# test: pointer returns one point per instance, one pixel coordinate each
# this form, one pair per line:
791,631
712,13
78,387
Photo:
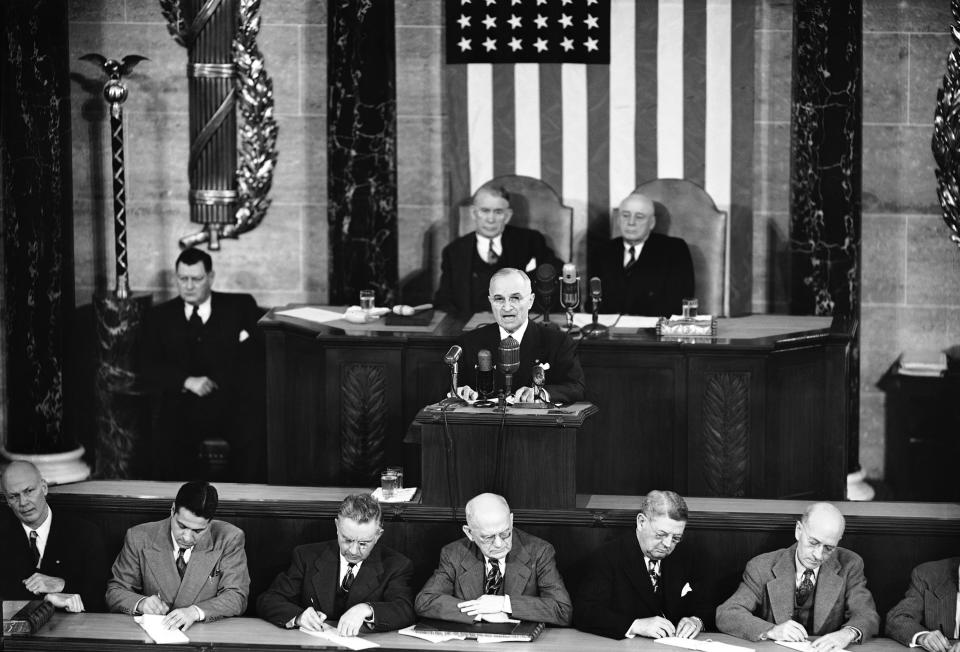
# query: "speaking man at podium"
513,334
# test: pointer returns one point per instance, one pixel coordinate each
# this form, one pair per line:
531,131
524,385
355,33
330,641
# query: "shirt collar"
517,334
637,248
483,245
203,309
176,549
43,531
800,568
344,564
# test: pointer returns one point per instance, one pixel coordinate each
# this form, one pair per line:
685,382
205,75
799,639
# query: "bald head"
818,533
25,491
490,525
486,506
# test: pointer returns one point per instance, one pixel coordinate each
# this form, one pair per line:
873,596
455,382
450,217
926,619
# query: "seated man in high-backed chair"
470,261
644,273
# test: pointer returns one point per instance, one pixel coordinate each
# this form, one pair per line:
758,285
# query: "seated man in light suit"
812,588
497,572
636,587
644,273
353,580
468,262
927,615
510,300
188,566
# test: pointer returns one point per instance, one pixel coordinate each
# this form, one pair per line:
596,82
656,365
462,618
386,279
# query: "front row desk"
760,411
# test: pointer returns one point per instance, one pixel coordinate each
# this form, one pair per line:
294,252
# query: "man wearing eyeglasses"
812,588
637,587
203,356
644,273
468,262
497,572
510,299
361,585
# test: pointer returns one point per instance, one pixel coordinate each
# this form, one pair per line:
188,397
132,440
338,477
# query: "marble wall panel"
933,263
301,174
419,13
883,258
771,165
313,71
98,11
420,148
898,170
294,12
281,49
771,262
905,15
872,439
774,58
775,14
885,67
928,63
419,71
316,252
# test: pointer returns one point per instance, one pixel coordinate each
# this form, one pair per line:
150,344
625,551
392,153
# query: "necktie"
34,549
806,587
195,321
181,563
633,258
348,579
493,584
654,570
492,256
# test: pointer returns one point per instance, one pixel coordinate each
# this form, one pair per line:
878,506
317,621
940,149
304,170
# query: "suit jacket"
655,285
617,590
564,379
930,603
383,581
216,579
74,553
234,411
531,580
765,597
456,273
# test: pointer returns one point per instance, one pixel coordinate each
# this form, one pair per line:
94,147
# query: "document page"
351,642
152,625
703,645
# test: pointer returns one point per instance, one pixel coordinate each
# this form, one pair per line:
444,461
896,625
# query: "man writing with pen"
187,567
364,586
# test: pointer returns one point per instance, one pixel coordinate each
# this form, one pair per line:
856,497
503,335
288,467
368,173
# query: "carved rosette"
726,433
363,410
946,134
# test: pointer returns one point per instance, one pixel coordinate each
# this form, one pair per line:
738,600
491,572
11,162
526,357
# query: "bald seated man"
644,273
497,572
812,588
56,557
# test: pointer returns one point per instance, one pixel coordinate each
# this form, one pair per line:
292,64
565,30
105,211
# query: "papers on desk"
800,646
399,495
351,642
438,637
704,645
152,624
635,321
316,315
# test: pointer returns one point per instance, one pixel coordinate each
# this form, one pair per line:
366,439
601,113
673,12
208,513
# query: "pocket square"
531,265
686,589
244,336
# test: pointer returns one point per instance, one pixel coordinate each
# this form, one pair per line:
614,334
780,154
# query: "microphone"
546,285
509,362
484,377
596,329
596,291
570,294
451,358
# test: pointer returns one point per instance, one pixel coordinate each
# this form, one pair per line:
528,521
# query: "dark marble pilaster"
122,409
37,223
361,150
826,156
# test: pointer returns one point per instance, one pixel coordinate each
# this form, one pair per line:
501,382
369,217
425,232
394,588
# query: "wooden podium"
527,455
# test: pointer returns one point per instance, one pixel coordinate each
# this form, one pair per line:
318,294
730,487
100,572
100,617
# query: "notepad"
316,315
351,642
152,624
799,646
703,645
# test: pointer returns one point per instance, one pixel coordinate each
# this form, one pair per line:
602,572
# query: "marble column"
37,236
361,150
826,155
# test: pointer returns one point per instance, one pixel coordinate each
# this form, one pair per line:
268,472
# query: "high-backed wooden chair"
535,206
685,210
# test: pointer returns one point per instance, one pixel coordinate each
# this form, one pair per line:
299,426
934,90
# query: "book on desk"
524,631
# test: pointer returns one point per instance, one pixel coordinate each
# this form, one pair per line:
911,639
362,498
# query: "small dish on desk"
357,315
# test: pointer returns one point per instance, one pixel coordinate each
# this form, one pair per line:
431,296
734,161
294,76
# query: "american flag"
674,101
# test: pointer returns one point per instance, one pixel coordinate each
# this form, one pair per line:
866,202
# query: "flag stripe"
622,161
576,114
458,139
646,93
598,98
670,89
526,90
551,126
717,148
502,92
480,122
694,85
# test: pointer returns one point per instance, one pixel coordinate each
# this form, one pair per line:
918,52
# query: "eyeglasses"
489,539
626,216
362,544
514,300
487,212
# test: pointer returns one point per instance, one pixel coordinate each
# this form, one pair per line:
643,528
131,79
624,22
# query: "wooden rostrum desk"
760,411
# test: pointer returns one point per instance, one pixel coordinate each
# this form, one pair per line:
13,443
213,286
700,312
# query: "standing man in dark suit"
633,589
188,567
203,353
497,572
644,273
812,588
59,559
468,262
510,299
352,580
927,615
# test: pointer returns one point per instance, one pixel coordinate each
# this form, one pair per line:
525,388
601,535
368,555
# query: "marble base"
56,468
857,487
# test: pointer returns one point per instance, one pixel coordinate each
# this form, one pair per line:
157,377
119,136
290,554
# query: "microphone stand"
596,329
453,398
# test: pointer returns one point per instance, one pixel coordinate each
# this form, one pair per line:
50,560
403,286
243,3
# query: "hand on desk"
352,619
69,601
654,627
181,618
485,604
688,627
154,605
790,630
311,619
522,395
467,393
199,385
834,640
40,583
936,642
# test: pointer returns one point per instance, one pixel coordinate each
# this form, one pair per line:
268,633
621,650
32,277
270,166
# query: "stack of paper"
439,637
152,624
923,363
703,645
399,495
350,642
